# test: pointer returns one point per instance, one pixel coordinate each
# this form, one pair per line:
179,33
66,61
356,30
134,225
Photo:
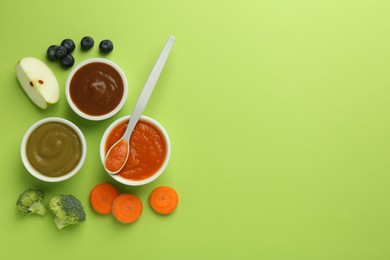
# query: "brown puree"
96,88
54,149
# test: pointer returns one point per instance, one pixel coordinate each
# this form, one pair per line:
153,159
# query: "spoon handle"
148,87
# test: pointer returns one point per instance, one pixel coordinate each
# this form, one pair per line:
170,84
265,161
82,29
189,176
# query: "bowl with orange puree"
149,150
96,89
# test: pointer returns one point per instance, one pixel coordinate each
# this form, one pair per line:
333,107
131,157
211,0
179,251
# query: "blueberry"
67,61
61,52
106,46
87,43
69,45
51,52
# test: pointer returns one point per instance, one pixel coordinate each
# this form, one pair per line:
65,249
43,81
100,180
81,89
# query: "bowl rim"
35,172
163,166
109,114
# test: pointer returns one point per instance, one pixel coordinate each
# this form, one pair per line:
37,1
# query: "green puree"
54,149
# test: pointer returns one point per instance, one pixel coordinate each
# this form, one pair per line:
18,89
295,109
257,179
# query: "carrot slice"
102,197
163,200
127,208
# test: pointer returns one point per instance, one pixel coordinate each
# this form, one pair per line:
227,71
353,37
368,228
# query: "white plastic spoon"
118,153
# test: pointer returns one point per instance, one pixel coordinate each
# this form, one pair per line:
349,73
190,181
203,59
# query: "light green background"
278,114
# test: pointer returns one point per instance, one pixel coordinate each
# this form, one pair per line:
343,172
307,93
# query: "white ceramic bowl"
155,175
34,172
96,117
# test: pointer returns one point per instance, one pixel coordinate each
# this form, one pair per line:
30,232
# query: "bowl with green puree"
53,149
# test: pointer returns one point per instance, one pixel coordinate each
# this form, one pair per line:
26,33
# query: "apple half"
38,81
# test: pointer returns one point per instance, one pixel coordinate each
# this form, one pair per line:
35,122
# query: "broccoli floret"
67,209
31,202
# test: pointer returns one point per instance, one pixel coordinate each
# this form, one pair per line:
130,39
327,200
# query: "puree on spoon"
54,149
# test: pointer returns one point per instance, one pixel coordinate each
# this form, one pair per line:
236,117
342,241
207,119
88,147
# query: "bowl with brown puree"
96,89
150,150
53,149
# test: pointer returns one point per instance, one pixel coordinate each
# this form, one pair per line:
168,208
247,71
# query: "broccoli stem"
38,208
60,223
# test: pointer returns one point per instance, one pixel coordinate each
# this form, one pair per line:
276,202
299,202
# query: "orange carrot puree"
117,156
147,150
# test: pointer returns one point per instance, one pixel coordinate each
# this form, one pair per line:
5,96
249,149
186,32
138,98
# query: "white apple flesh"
38,81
